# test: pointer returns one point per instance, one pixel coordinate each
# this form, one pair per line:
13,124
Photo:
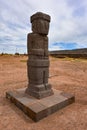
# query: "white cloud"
68,20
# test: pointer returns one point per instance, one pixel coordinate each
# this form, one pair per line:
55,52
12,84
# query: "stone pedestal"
38,109
39,100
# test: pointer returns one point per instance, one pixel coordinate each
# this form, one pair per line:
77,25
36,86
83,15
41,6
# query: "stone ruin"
38,100
38,57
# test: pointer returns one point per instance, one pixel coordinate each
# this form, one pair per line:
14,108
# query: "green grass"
23,60
70,59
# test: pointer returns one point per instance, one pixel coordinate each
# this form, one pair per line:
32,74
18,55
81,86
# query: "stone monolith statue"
38,59
39,100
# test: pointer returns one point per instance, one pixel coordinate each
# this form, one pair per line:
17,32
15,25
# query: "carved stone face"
40,26
40,23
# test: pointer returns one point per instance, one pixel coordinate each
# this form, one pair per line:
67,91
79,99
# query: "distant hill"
76,53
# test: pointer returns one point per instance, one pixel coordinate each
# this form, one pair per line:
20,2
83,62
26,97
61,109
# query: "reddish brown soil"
66,74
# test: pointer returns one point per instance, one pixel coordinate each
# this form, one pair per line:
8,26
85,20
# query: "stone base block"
38,109
39,91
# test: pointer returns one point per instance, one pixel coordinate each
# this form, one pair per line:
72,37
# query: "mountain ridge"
75,53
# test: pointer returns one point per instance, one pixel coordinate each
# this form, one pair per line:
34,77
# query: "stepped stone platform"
37,109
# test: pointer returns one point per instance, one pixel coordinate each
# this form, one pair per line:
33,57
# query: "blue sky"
68,27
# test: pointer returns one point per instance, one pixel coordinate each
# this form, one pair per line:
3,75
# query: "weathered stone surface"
40,23
38,61
40,15
38,26
39,91
38,109
38,75
37,45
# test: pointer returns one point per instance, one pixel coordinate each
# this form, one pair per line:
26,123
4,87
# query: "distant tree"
24,53
2,53
17,53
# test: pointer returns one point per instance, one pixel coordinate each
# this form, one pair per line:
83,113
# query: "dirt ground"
65,74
